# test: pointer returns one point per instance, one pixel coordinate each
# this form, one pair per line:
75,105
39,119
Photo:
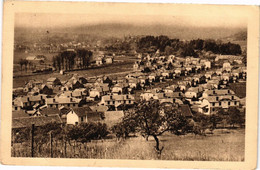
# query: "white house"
94,93
117,89
207,64
226,66
82,115
148,95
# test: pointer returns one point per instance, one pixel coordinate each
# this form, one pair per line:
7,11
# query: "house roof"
19,113
219,92
49,111
64,110
82,111
52,79
100,108
185,110
37,121
62,100
87,111
118,97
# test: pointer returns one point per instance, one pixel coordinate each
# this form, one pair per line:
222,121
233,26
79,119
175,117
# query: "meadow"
223,145
109,70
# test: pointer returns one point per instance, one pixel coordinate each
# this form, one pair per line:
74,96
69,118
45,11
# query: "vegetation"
188,147
66,59
188,48
150,118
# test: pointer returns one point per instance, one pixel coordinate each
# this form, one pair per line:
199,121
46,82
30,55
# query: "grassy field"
23,55
239,89
223,145
126,66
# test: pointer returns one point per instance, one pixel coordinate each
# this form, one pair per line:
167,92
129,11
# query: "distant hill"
239,36
119,30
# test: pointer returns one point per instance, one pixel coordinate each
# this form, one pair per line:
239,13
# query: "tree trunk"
157,147
157,143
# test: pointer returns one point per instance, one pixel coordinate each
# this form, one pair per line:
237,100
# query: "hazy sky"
53,20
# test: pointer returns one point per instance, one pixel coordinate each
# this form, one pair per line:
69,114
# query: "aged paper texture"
129,85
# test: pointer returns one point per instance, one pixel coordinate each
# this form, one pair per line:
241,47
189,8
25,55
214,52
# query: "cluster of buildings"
190,82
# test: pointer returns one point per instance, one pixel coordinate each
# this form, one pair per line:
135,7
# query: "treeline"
168,46
69,60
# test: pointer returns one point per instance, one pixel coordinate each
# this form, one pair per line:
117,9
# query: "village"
196,85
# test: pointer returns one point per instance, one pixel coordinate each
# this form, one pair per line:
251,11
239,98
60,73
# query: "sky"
61,20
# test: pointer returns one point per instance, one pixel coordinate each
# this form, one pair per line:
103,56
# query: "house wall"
207,104
72,118
190,94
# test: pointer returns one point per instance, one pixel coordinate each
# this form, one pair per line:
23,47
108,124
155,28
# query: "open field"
108,70
23,55
223,145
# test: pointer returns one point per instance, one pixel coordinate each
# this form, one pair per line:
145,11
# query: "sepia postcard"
138,85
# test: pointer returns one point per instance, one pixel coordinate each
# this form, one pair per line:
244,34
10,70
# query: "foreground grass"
223,145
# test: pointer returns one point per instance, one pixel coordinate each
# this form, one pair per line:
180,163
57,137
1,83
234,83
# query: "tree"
234,116
146,70
87,131
150,118
169,50
108,81
21,64
125,90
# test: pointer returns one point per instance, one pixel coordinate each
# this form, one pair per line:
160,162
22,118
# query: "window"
219,103
129,101
232,97
235,102
213,109
213,104
15,108
228,103
68,105
50,105
216,98
113,102
82,119
76,123
108,102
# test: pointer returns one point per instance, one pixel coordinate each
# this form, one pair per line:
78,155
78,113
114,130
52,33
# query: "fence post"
65,148
32,141
51,143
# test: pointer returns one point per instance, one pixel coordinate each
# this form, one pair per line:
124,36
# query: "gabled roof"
49,111
87,111
52,79
19,113
82,111
100,108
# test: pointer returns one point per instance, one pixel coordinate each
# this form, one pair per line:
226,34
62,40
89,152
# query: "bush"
87,131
